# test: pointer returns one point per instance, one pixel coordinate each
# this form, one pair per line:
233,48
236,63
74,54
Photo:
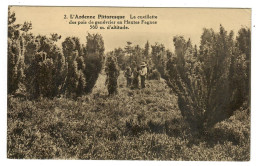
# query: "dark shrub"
203,82
154,75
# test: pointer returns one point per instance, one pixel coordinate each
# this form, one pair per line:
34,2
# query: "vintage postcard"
124,83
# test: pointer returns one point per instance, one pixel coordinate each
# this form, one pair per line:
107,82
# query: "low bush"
236,129
154,75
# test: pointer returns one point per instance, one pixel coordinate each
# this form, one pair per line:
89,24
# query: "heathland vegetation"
72,102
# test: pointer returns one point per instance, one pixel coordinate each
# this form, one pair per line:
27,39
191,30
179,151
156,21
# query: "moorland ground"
143,124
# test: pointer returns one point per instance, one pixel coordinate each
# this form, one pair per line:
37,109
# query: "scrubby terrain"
138,124
67,97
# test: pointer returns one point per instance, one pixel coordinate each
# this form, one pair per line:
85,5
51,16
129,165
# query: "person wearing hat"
143,74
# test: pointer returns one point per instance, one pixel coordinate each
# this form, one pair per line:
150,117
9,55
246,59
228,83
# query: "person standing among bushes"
143,73
148,71
128,75
112,72
135,78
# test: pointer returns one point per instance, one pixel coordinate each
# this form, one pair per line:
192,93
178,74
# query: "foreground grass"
143,124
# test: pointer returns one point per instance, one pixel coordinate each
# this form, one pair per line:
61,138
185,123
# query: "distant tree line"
37,67
155,56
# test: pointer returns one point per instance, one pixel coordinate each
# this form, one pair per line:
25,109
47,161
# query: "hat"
143,64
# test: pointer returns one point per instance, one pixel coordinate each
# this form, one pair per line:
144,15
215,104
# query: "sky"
188,22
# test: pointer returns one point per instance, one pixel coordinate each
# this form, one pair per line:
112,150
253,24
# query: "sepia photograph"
129,83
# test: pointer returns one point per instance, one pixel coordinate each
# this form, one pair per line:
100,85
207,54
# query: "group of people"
132,75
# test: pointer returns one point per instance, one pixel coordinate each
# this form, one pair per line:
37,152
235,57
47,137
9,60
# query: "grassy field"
140,124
